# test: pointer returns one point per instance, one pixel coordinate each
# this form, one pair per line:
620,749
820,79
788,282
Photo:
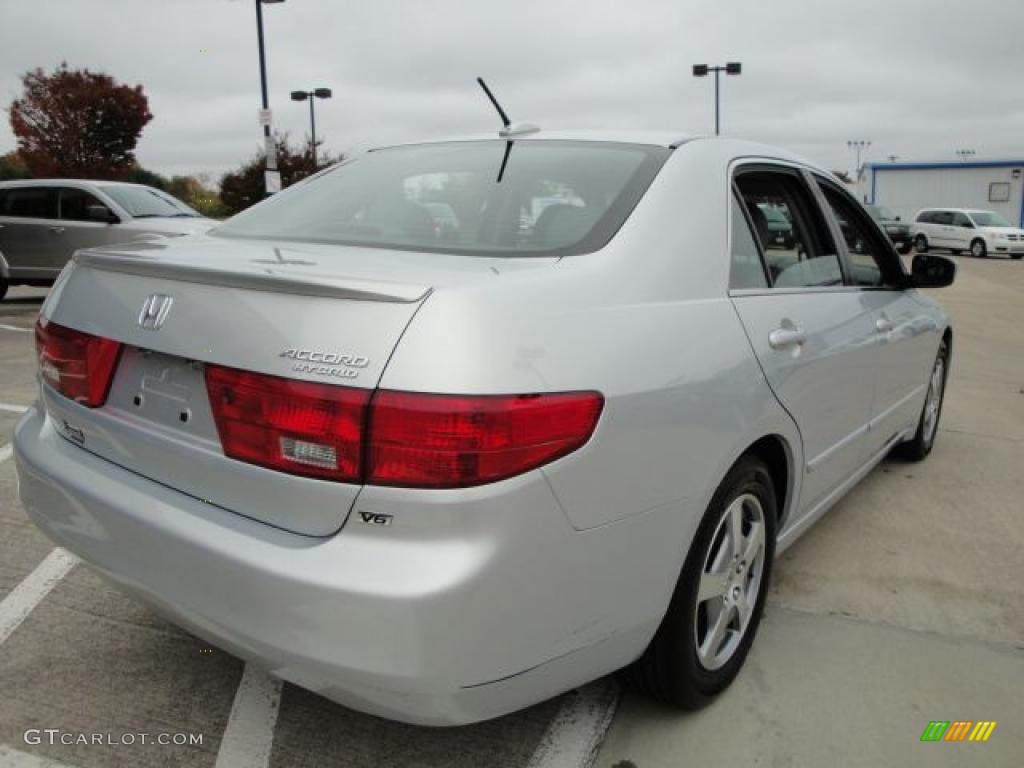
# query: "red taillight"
298,427
454,441
408,439
78,365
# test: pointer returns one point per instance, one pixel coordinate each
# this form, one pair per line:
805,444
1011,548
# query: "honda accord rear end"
432,474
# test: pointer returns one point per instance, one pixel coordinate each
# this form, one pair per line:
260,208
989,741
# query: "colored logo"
958,730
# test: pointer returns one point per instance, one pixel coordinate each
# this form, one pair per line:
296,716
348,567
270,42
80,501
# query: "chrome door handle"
883,325
786,337
57,230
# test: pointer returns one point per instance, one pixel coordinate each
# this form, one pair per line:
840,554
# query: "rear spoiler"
255,278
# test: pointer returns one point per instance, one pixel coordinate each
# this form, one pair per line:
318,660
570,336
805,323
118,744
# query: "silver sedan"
454,427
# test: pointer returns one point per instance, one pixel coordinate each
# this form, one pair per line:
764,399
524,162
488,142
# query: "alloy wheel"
730,582
934,400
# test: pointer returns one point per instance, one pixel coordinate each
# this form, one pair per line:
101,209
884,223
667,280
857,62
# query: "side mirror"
899,218
931,271
98,212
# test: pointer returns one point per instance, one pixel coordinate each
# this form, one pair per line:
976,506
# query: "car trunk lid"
315,314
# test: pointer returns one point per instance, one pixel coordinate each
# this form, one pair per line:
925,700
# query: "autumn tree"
13,167
78,123
244,187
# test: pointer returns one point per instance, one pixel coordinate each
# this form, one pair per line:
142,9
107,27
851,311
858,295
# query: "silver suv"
44,221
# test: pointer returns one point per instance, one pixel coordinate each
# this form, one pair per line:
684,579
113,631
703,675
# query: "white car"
44,221
961,229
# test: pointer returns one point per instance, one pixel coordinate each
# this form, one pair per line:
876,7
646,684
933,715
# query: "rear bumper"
470,605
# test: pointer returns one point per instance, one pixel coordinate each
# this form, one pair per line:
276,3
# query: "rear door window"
798,249
31,203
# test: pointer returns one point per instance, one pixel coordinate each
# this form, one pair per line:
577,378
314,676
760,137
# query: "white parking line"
23,598
13,408
6,451
14,328
249,734
12,758
575,735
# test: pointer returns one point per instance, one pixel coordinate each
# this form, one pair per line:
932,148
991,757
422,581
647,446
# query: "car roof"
658,138
723,147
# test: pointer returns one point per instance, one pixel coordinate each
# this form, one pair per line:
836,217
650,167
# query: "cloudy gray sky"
919,78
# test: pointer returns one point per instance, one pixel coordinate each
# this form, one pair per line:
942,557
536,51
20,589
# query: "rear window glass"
487,198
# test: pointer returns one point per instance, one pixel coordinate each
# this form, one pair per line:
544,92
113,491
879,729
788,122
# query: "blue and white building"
906,188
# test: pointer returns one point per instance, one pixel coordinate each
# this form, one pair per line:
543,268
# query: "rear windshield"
485,198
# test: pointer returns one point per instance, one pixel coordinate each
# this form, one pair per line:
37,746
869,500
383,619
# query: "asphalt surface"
902,606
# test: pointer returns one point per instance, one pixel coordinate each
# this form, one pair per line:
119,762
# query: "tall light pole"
312,96
271,178
857,145
731,68
964,154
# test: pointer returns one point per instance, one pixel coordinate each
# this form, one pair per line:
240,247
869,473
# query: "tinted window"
552,198
747,269
867,250
961,220
926,217
942,217
75,202
147,203
31,203
803,254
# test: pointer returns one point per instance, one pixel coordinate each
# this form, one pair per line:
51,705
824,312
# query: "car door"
29,217
961,231
812,335
906,338
944,232
80,229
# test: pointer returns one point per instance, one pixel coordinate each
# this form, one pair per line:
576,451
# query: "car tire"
677,668
1014,256
3,288
921,244
978,248
921,444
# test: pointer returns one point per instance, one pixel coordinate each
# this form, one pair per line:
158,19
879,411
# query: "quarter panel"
682,388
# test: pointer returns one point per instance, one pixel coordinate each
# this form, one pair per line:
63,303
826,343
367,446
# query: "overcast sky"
918,78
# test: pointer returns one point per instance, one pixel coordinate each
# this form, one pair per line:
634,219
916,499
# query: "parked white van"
959,229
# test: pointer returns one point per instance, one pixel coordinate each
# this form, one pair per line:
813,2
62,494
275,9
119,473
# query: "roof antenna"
508,131
504,118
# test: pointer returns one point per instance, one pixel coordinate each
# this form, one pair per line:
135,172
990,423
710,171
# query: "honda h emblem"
154,311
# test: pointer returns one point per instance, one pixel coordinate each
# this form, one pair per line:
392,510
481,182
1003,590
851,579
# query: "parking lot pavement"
900,607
